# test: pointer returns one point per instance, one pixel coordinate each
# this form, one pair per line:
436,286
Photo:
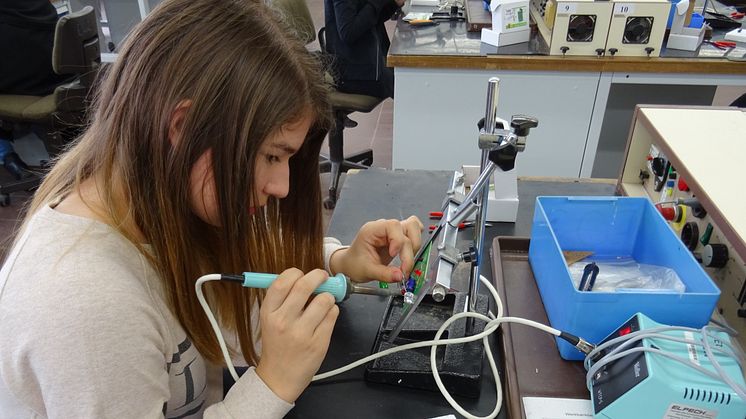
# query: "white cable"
491,326
630,338
213,322
627,340
716,364
600,364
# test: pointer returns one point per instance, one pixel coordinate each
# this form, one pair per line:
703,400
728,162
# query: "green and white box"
509,23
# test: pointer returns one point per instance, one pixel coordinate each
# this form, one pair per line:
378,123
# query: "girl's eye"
272,158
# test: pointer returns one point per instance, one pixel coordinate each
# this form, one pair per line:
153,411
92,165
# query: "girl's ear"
176,124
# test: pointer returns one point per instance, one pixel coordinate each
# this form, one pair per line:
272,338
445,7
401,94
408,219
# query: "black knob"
715,255
613,51
659,166
522,124
649,50
564,50
470,255
644,175
600,51
690,235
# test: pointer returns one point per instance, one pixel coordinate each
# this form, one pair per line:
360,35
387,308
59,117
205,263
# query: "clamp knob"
649,50
470,255
613,51
600,52
522,124
564,50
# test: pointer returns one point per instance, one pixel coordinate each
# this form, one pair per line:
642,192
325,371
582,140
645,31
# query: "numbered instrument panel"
637,28
577,27
602,28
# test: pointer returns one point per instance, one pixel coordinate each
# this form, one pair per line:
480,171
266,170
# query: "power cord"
493,323
627,340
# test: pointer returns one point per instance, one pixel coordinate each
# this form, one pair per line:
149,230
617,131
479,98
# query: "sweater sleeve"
249,397
331,245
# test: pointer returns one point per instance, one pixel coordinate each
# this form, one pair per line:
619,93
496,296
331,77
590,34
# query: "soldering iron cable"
214,322
493,323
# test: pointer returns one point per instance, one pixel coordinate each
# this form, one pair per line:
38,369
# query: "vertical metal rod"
490,117
490,114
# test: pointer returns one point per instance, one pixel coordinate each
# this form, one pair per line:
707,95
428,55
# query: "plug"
581,344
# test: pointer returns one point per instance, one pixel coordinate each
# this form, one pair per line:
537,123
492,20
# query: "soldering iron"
338,285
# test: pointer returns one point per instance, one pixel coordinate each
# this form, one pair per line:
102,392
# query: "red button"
669,213
682,185
626,331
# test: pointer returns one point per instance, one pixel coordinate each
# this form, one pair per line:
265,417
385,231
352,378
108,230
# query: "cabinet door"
436,113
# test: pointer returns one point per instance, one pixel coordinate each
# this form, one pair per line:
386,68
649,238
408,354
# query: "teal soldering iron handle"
335,285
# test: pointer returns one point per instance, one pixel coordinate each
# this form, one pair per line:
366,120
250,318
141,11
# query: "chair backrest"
298,16
322,39
76,47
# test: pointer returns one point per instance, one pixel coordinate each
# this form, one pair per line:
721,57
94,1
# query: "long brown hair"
246,77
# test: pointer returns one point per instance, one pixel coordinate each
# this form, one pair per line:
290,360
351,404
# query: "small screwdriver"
338,285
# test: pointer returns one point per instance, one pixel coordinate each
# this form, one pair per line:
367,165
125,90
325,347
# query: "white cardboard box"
503,197
509,23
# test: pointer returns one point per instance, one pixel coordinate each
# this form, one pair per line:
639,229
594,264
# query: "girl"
202,157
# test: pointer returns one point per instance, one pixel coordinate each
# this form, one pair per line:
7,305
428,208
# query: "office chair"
76,53
343,104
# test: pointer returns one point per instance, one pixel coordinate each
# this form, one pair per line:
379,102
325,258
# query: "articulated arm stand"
431,299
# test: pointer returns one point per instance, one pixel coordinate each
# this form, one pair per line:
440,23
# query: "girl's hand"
375,246
295,331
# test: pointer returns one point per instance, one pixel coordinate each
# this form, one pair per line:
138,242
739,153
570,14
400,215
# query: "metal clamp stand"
459,366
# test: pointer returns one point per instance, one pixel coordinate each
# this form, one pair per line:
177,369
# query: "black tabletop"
377,193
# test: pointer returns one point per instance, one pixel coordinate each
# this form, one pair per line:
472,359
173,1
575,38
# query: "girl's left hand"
375,246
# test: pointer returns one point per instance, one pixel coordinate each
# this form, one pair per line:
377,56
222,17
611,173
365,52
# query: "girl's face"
271,177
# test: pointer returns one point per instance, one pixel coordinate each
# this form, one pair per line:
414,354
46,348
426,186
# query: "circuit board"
417,279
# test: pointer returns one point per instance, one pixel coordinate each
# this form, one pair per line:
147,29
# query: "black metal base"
459,366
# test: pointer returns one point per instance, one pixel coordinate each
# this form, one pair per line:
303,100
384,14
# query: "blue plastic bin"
612,227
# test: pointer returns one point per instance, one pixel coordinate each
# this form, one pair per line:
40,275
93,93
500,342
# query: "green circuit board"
417,278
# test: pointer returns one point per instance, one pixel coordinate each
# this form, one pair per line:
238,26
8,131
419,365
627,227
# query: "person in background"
26,40
357,40
197,160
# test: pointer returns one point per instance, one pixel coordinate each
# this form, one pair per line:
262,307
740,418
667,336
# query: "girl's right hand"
295,332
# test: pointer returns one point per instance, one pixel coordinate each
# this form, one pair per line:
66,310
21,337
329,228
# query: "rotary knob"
715,255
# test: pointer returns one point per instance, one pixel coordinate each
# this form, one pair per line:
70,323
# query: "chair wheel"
330,203
4,200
